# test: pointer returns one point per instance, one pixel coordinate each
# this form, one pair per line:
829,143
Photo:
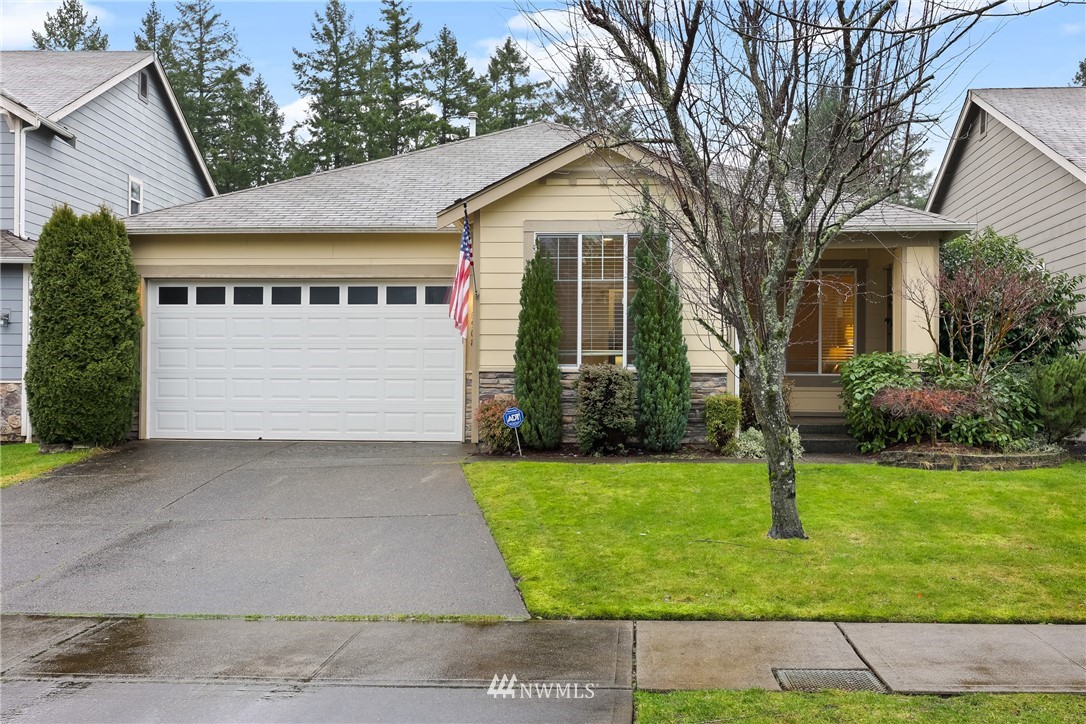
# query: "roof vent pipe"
472,118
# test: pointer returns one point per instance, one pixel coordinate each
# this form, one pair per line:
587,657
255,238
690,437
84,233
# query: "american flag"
459,300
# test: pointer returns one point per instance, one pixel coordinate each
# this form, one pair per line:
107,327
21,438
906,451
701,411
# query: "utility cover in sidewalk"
814,680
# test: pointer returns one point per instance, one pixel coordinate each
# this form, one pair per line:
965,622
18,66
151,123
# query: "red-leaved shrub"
494,437
929,402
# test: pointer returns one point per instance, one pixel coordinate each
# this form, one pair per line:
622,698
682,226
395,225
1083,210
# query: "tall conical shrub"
663,368
82,363
537,381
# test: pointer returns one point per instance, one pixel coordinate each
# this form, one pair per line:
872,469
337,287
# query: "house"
1017,162
315,308
83,129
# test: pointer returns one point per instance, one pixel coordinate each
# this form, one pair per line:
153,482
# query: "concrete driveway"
271,528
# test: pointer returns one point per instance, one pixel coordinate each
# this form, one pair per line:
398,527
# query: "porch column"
914,266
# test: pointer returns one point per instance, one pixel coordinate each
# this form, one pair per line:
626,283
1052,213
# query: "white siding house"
85,129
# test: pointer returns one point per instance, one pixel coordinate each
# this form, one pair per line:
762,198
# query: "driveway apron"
267,528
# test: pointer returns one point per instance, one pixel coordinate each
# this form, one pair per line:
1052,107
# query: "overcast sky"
1043,49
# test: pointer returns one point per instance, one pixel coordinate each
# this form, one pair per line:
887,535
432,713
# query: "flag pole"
474,282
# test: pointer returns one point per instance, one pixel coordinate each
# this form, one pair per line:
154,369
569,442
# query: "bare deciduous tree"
752,194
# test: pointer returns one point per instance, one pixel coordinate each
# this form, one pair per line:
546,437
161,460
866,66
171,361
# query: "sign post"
514,418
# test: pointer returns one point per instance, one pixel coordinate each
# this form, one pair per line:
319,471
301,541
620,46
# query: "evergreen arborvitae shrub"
82,363
1060,388
663,368
537,381
605,409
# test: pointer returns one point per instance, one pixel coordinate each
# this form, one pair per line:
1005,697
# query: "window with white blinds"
824,333
592,282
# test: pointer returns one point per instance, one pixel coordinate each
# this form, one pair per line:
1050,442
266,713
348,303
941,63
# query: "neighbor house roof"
15,248
50,85
399,193
47,82
1053,120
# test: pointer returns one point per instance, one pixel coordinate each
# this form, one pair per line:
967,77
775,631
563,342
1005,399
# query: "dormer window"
144,85
135,195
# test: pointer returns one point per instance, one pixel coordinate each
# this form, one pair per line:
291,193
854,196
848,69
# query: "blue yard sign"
513,417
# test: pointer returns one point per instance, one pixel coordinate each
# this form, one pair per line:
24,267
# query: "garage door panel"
335,372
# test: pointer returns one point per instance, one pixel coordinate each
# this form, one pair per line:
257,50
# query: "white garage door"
308,360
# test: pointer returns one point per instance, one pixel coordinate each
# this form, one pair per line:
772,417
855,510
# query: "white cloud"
1072,28
18,18
295,112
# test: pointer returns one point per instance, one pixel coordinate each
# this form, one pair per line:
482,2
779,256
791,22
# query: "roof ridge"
353,166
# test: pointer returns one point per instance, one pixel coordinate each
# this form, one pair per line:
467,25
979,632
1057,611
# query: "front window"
824,334
592,282
135,195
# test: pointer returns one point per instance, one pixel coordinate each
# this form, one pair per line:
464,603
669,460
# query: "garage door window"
211,295
401,295
286,295
361,295
437,295
173,295
248,295
324,295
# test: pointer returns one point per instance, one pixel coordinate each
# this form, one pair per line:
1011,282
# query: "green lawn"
19,462
752,707
687,541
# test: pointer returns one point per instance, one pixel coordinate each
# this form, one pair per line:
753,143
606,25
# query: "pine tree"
155,33
451,85
329,75
1080,76
510,98
590,99
251,151
403,119
663,368
70,29
82,365
208,76
537,381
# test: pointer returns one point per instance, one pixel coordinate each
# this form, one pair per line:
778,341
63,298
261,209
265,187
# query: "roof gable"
399,193
1052,120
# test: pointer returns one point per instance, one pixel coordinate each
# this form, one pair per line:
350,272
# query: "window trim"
143,86
580,289
139,182
855,272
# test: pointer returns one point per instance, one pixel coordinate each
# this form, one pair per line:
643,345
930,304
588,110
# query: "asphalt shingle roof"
46,81
1054,116
15,247
400,192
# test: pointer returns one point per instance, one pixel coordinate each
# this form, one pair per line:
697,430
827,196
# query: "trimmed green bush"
722,422
537,381
862,377
494,437
750,443
1060,389
605,409
82,364
748,417
663,368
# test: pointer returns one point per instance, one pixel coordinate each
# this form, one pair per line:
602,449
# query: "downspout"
20,170
20,127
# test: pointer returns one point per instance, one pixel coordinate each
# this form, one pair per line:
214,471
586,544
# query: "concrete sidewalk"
88,669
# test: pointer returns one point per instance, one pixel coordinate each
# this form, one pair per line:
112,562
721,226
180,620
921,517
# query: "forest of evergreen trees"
373,92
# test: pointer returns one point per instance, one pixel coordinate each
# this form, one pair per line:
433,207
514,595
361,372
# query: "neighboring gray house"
1017,163
83,129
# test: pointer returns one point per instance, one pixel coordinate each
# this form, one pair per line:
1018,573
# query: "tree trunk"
776,427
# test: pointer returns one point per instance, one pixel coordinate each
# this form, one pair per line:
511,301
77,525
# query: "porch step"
820,426
827,443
